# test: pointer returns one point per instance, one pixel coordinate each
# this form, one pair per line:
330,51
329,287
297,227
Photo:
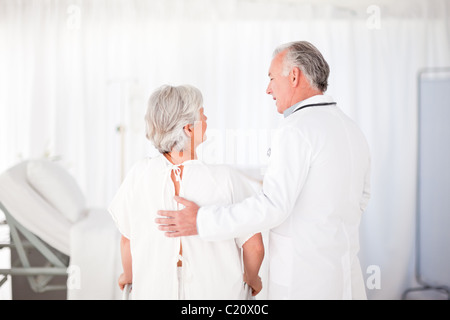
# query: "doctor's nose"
269,89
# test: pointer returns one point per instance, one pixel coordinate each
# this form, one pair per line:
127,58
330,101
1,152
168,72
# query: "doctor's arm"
286,174
127,276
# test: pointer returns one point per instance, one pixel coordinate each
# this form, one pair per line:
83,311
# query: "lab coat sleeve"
243,186
286,174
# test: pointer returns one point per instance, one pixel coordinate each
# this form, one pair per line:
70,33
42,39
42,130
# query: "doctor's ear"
295,76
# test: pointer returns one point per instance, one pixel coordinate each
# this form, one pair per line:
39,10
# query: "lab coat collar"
320,98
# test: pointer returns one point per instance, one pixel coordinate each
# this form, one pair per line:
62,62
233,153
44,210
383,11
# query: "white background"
72,71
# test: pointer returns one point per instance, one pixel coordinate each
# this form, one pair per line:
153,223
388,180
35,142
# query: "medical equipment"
432,257
46,212
126,291
315,105
38,277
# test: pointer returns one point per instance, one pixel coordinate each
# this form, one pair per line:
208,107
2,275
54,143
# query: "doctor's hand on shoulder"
179,223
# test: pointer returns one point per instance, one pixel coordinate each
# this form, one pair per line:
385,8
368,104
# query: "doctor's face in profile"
279,86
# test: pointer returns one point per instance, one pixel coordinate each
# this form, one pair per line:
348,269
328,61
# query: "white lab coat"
315,188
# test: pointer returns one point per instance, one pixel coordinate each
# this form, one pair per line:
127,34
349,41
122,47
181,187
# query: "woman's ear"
188,130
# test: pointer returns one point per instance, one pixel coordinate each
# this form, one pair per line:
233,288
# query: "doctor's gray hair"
169,110
308,59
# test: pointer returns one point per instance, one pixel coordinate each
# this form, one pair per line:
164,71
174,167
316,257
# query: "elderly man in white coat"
314,191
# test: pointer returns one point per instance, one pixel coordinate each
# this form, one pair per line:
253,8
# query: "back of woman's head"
169,109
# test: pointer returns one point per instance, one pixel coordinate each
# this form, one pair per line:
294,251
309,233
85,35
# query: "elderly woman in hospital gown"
187,267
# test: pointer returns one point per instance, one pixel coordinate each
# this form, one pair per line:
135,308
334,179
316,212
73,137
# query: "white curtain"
73,71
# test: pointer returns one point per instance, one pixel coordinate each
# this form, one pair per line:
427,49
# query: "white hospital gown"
211,270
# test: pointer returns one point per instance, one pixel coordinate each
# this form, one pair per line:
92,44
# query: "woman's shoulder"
139,165
233,175
217,170
243,172
145,165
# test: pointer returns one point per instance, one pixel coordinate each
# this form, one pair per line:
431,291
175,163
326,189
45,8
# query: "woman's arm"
253,255
127,275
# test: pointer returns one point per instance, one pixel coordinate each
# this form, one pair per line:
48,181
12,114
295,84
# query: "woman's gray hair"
169,109
308,59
